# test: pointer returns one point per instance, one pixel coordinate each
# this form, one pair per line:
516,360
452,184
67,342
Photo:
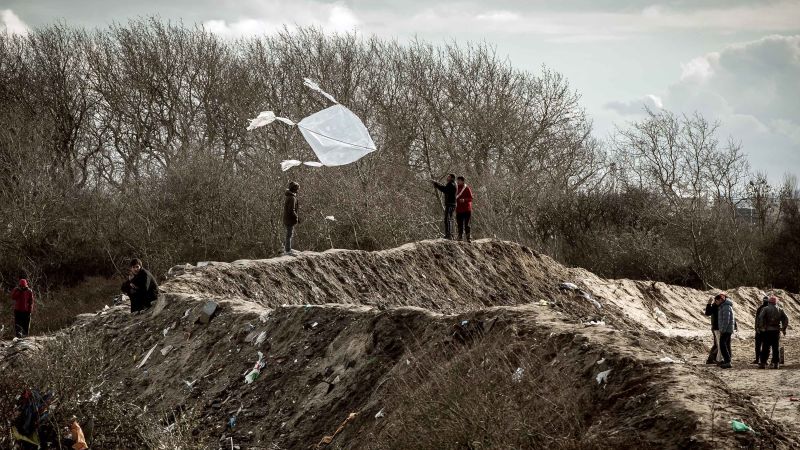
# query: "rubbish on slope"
208,311
166,350
254,373
602,377
146,357
261,338
380,414
517,376
669,360
595,323
331,218
328,439
740,427
543,303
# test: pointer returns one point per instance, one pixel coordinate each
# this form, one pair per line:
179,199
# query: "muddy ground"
339,329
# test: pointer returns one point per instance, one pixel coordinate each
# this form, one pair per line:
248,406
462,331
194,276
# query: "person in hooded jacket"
449,190
140,286
23,298
727,325
291,216
758,332
773,321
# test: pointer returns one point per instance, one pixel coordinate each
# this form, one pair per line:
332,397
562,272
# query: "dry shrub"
472,399
73,367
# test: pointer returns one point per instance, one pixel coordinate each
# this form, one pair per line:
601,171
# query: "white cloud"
11,23
637,106
331,17
752,89
498,16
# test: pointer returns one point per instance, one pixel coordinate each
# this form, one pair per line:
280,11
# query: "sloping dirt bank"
433,345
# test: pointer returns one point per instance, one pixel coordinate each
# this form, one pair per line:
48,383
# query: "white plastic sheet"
311,84
337,136
266,118
289,163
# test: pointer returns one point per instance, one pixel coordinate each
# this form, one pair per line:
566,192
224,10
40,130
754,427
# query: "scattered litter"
190,384
105,307
232,422
186,314
209,308
543,303
669,360
568,286
464,322
591,299
166,330
314,325
251,336
261,338
595,323
202,263
740,427
146,357
328,439
600,361
602,377
170,428
254,373
166,350
264,317
660,314
331,218
517,376
380,414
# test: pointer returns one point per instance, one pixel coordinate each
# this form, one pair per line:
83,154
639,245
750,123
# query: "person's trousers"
759,344
715,355
725,346
287,244
771,341
448,221
462,219
22,323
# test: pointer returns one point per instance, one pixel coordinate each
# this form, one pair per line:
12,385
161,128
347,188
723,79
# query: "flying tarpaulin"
335,134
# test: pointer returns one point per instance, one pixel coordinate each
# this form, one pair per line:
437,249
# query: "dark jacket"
712,310
142,290
773,318
449,191
758,312
727,320
290,207
23,299
464,200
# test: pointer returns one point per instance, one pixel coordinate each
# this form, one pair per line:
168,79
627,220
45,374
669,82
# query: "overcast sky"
735,61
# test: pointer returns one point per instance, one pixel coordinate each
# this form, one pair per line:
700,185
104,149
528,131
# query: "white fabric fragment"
313,85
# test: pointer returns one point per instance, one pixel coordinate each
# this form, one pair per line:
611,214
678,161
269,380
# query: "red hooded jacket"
23,299
463,199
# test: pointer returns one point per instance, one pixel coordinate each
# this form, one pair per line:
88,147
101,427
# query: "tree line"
130,141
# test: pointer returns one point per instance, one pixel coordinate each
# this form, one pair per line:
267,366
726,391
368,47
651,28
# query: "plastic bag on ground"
602,377
740,427
337,136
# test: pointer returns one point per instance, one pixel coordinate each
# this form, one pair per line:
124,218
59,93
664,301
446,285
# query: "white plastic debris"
517,376
186,314
568,286
602,377
314,325
166,330
105,307
202,264
380,414
543,303
311,84
595,323
312,164
600,361
146,357
166,349
261,338
331,218
189,384
254,373
464,322
289,163
669,360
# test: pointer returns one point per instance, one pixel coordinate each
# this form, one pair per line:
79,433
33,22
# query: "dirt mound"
401,337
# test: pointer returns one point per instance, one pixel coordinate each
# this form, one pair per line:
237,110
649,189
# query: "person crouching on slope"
773,321
22,296
290,216
727,324
140,287
463,208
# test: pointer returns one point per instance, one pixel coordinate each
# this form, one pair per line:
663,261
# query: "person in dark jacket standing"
141,287
290,216
712,310
449,191
759,336
727,324
463,208
22,295
773,321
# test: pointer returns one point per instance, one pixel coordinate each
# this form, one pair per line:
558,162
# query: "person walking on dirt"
759,337
712,310
290,216
449,190
727,324
773,321
23,298
140,286
463,208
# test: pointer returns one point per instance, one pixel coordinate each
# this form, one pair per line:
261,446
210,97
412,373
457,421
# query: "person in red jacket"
463,208
23,307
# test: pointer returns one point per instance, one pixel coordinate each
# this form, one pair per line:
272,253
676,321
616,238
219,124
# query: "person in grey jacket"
727,324
772,320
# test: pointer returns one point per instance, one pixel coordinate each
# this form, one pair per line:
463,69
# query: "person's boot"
469,239
725,365
775,365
